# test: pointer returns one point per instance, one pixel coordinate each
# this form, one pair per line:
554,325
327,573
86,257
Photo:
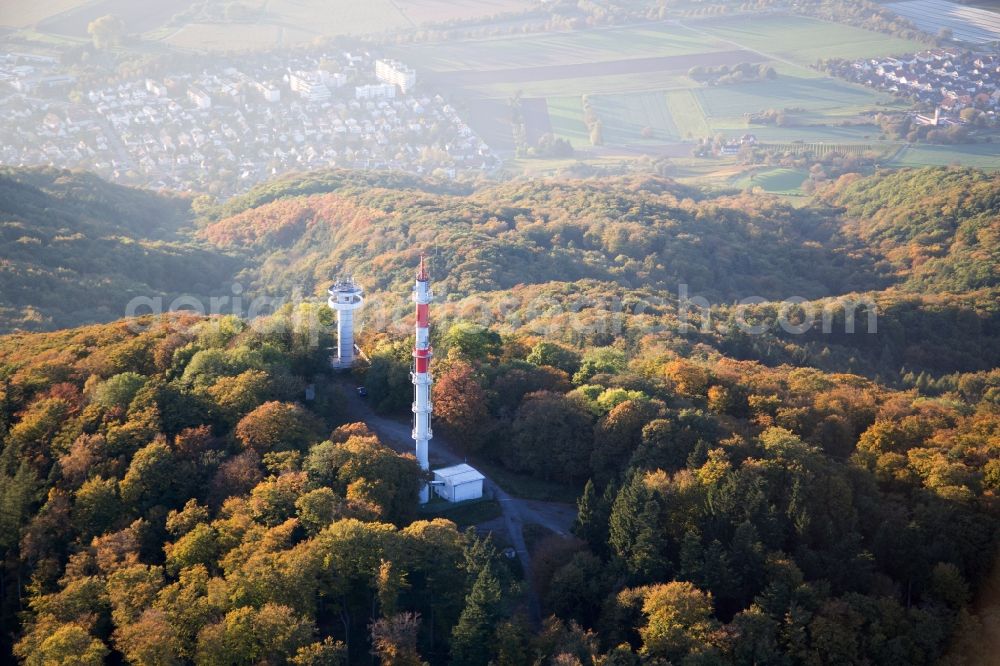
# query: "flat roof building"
375,91
309,85
395,73
458,483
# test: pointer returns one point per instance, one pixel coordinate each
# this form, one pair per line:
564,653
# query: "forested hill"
632,232
74,248
940,228
168,494
921,230
922,243
932,268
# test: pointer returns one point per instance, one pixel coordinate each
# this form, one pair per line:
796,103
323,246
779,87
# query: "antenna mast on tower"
421,375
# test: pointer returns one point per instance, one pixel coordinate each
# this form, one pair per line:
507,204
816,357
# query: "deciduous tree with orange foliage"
278,426
460,406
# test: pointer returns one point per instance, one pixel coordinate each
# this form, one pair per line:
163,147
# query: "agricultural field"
635,118
777,181
492,118
981,155
787,42
536,119
575,83
334,17
824,98
14,14
607,68
235,37
566,120
687,113
802,41
139,17
582,47
286,23
823,148
968,24
676,115
270,23
638,79
422,12
831,133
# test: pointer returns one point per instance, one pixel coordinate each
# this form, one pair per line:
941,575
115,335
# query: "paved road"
516,512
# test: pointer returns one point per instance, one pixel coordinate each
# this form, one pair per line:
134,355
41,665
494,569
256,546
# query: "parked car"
362,392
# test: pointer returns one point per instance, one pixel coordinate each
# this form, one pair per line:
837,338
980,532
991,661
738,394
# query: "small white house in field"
458,483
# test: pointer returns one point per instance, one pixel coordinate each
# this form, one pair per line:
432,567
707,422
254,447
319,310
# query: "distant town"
223,130
959,85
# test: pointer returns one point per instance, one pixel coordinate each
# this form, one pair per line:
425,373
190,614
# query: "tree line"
731,512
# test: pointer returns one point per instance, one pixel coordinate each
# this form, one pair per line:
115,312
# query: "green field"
981,155
829,97
777,181
584,84
687,113
561,48
799,40
625,117
804,40
420,12
566,117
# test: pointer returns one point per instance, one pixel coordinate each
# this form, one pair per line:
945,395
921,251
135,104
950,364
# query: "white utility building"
458,483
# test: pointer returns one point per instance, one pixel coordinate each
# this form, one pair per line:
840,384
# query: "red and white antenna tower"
421,375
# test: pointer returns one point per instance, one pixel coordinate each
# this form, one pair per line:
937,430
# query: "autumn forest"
200,488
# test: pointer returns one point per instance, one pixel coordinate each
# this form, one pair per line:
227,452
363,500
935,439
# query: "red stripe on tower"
421,374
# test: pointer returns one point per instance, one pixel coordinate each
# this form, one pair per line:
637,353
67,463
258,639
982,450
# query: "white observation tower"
345,298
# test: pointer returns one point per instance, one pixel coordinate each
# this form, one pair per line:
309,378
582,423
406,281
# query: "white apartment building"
395,73
309,85
375,91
